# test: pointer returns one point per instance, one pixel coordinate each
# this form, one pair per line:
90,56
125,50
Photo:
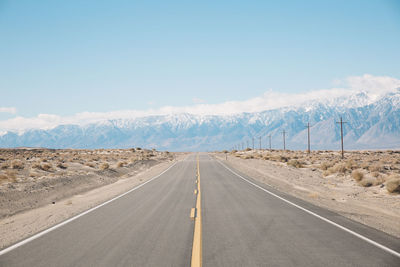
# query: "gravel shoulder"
371,206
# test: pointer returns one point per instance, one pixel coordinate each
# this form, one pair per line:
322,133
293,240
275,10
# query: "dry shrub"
90,164
380,180
62,165
36,165
350,164
367,182
46,167
248,149
295,163
104,166
17,165
376,174
393,184
4,166
365,165
121,164
375,167
357,175
282,159
258,156
339,168
247,157
325,165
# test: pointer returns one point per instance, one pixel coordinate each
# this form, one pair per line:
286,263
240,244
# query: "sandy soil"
372,206
32,206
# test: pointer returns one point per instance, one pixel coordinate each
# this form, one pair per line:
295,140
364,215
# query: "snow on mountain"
372,123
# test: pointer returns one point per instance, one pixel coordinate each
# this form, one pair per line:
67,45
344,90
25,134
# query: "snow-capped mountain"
371,123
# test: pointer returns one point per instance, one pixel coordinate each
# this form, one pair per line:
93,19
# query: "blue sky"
66,57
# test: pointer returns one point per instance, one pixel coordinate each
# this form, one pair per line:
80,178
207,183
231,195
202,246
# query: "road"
242,225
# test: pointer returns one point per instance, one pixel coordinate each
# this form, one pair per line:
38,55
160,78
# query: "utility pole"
270,147
247,142
308,130
260,142
253,142
341,133
284,140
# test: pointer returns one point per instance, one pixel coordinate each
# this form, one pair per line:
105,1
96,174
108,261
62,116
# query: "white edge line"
29,239
391,251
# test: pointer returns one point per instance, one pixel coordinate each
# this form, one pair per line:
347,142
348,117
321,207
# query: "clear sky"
65,57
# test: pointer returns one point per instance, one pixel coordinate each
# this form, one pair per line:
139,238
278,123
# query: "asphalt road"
242,225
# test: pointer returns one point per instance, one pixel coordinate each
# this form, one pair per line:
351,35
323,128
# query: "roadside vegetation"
23,165
367,168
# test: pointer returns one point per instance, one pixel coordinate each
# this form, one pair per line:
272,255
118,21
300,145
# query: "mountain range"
371,123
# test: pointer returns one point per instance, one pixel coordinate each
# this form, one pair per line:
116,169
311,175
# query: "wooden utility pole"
247,142
270,147
308,131
253,142
260,142
341,134
284,140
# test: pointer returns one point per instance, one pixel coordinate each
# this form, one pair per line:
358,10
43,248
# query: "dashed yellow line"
197,238
192,213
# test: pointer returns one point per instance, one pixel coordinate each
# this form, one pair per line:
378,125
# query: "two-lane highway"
243,224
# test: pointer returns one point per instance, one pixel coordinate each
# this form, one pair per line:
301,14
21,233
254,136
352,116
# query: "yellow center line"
197,243
192,213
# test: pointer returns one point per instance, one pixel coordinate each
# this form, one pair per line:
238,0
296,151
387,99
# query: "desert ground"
42,187
364,186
